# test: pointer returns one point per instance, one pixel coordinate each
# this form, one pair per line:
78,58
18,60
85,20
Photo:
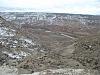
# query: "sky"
55,6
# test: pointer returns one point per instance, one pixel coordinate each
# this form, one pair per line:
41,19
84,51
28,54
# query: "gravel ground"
6,70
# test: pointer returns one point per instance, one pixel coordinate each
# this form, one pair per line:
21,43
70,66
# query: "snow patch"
4,32
16,55
47,31
68,36
27,40
12,55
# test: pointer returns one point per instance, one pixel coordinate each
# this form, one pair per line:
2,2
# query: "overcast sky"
59,6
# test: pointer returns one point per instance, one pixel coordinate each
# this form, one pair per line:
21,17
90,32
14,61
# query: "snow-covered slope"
49,18
15,46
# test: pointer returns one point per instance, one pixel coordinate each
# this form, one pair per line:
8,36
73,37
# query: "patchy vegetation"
87,52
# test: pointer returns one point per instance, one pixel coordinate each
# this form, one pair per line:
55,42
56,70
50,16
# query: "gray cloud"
60,6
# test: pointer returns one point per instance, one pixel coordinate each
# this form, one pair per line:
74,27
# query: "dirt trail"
68,50
68,36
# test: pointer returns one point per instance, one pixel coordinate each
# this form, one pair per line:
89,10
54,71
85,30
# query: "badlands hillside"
49,44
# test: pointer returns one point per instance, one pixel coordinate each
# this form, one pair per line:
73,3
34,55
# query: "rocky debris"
65,71
43,61
6,70
3,58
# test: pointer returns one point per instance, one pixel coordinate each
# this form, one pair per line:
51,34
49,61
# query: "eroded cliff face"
50,18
